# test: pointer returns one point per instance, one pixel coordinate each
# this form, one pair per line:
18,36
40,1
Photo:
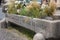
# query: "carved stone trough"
49,28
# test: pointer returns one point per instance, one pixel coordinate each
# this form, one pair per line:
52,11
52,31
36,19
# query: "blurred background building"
56,1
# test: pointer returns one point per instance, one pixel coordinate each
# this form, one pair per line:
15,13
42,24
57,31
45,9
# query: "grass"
27,32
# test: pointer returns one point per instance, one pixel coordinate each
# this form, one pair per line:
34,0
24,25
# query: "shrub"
49,9
52,6
33,9
14,7
18,5
23,11
11,8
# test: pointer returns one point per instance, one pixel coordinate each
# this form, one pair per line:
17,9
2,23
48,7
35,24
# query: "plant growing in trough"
33,10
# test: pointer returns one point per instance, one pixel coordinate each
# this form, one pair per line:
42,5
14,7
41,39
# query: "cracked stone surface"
6,35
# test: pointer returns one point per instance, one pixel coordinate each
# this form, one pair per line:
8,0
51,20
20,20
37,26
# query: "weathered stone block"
38,36
26,22
49,28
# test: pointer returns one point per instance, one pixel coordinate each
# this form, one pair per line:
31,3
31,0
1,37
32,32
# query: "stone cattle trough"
49,28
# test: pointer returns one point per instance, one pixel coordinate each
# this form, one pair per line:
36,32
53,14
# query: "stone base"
38,36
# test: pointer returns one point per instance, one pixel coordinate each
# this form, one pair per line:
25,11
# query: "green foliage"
52,6
12,10
13,7
47,11
23,12
33,10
